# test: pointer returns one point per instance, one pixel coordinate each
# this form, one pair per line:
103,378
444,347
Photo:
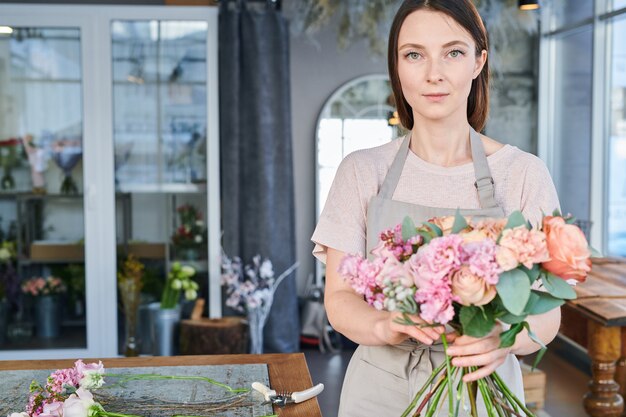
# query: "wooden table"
286,372
602,300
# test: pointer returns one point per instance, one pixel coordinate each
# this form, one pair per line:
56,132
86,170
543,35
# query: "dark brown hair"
465,14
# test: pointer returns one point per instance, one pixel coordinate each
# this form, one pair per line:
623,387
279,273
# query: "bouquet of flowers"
250,289
191,232
68,392
178,280
469,275
39,286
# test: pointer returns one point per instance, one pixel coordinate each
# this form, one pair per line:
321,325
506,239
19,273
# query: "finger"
482,359
415,332
477,346
451,337
481,372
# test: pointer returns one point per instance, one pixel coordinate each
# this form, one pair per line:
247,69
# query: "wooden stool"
534,387
204,336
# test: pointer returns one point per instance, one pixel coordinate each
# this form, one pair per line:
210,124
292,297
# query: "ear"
480,63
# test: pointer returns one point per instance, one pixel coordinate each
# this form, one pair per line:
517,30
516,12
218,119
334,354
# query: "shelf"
163,188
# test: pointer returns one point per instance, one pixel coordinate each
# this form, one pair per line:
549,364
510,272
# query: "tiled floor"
565,388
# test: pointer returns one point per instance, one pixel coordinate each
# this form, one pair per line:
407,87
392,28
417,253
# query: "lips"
435,97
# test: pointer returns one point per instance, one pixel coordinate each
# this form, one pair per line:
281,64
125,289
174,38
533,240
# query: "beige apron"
381,381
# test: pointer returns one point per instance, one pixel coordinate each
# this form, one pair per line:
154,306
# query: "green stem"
487,400
449,372
108,414
440,389
422,390
459,393
127,378
471,391
507,392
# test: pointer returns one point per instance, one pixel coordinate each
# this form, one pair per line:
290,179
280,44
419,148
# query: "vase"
256,323
47,317
164,329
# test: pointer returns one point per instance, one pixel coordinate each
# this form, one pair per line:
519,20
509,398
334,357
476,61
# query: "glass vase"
255,326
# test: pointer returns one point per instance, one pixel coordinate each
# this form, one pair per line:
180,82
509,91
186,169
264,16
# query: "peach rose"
473,236
471,289
568,248
506,258
445,223
491,227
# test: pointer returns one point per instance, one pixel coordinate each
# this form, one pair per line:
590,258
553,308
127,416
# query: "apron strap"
395,170
484,181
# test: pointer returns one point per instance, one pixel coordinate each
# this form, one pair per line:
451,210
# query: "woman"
439,73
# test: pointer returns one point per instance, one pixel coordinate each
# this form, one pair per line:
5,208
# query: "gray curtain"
256,152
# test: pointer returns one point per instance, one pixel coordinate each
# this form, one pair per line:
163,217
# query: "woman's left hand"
481,352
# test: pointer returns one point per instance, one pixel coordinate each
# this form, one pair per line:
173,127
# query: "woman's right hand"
393,332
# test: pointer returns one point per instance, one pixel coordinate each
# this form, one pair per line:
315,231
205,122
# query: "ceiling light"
528,4
6,30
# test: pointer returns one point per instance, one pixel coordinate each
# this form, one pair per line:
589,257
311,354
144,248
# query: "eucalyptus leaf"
514,290
436,229
541,302
538,341
516,219
532,273
557,213
558,287
408,228
426,236
460,223
476,322
511,318
507,338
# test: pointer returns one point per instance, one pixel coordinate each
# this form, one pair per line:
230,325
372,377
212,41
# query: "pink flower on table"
438,259
482,261
79,404
53,409
61,378
90,375
527,246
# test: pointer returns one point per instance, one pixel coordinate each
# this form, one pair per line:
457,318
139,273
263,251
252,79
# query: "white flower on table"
91,375
79,404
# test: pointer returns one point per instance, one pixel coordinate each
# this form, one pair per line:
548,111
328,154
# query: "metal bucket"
47,316
164,330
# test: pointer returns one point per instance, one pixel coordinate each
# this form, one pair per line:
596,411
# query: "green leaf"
558,287
532,273
507,338
516,219
541,302
426,236
408,228
476,321
557,213
512,318
459,222
514,290
436,229
408,305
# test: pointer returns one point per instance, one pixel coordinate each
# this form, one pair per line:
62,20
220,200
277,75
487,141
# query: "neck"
444,143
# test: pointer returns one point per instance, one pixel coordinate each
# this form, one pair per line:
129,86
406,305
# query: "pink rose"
528,246
471,289
397,272
568,249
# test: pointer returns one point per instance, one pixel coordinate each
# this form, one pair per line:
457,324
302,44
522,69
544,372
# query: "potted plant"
165,315
46,293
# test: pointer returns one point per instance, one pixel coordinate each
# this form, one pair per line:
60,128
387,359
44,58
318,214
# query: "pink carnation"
481,258
393,245
436,302
62,377
529,247
437,260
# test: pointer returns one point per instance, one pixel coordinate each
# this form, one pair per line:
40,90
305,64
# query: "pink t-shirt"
522,182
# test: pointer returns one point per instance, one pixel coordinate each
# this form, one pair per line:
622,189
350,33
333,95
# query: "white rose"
198,239
189,271
22,414
266,270
5,255
191,294
177,284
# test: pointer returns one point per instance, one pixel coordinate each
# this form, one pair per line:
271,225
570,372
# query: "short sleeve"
539,195
342,224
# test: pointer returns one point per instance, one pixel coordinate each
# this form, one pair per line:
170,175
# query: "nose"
433,72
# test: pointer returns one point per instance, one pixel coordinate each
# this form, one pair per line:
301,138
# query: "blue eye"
413,55
456,53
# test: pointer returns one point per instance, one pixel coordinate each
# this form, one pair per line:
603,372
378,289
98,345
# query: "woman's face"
436,64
